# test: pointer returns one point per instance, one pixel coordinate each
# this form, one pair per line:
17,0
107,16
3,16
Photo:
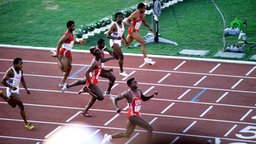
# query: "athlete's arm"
9,73
119,97
146,98
146,25
24,83
59,44
112,29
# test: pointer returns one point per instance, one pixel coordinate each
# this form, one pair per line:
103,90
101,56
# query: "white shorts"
111,42
9,91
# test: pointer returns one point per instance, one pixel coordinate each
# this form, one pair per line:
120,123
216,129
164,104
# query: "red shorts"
130,30
66,53
95,81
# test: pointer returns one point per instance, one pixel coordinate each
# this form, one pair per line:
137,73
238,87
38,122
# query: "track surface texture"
198,100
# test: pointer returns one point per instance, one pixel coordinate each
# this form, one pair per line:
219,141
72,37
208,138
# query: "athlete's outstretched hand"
155,93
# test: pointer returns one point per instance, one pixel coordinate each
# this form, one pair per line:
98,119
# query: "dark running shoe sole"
86,114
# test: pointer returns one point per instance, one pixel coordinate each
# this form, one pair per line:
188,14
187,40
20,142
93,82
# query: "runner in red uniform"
104,73
63,51
91,75
133,96
134,21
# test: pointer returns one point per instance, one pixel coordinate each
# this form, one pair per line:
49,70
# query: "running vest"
137,22
94,75
119,33
135,105
14,81
68,44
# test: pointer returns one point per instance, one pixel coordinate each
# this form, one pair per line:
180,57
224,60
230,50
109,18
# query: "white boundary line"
199,80
130,54
230,130
113,118
114,128
164,78
209,108
215,68
151,70
168,107
218,100
49,134
181,96
177,67
184,131
237,83
246,115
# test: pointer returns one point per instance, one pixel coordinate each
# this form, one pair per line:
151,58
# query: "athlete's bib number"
137,106
137,26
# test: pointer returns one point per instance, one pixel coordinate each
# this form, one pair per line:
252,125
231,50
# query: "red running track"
199,100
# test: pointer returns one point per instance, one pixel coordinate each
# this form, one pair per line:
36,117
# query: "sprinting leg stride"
104,73
11,80
63,51
134,21
133,97
91,80
116,34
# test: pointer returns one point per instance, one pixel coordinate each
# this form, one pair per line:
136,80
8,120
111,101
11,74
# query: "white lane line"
53,132
113,118
73,117
141,65
251,71
175,140
129,75
98,130
209,108
21,138
218,100
246,115
133,137
200,80
189,127
153,120
230,130
164,78
214,68
179,65
124,109
237,83
180,97
167,108
148,90
114,86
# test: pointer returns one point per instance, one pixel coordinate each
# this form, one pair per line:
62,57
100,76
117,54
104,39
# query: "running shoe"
106,93
84,90
61,85
29,126
123,74
86,114
149,61
64,88
106,138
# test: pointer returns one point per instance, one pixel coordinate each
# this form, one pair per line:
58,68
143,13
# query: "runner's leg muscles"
17,100
127,133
